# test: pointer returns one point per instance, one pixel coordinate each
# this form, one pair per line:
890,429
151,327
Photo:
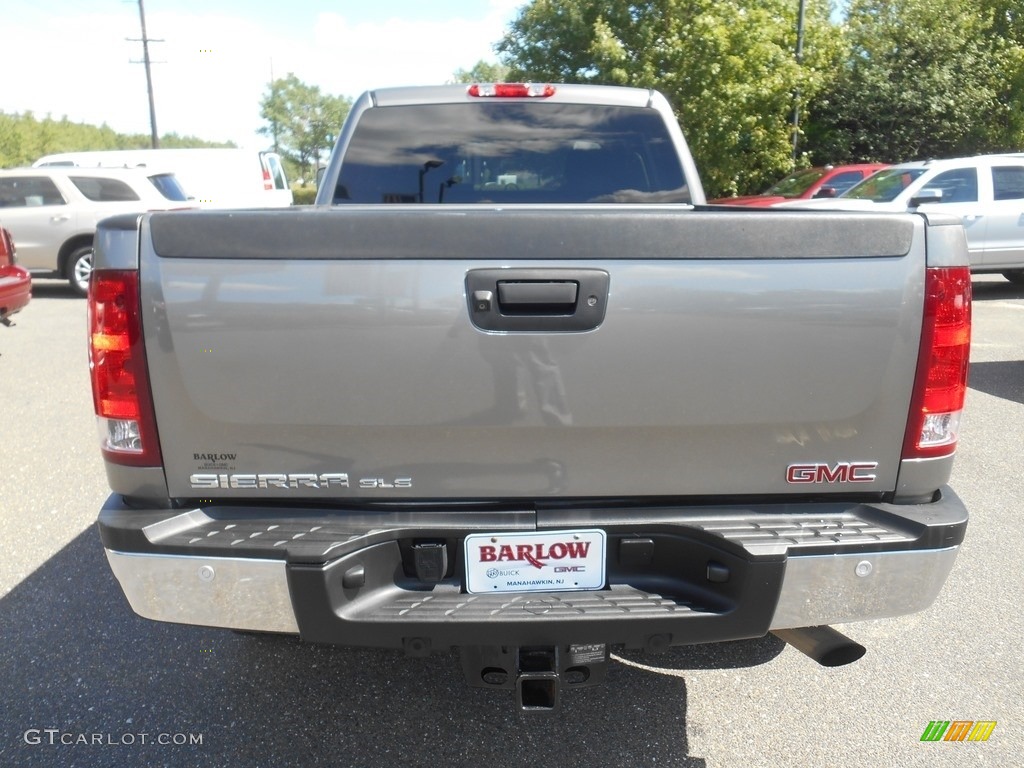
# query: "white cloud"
217,70
214,68
352,58
83,75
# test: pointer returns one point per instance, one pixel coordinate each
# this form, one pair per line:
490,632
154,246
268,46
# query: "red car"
15,282
824,181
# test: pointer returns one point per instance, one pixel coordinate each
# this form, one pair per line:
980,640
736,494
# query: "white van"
212,178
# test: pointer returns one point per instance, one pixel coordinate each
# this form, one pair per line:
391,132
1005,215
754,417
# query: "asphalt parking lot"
87,683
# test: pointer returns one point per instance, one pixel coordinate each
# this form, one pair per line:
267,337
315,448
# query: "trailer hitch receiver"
537,674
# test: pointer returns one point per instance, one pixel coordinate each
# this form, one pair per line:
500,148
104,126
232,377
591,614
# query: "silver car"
52,212
986,192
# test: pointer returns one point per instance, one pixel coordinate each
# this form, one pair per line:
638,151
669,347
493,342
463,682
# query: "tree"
25,138
922,80
1006,42
482,72
302,121
727,66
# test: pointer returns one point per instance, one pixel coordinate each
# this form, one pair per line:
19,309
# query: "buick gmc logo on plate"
549,561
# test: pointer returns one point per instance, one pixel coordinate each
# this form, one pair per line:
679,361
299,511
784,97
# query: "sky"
72,57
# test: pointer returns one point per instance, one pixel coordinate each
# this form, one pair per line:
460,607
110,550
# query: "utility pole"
275,127
145,40
799,61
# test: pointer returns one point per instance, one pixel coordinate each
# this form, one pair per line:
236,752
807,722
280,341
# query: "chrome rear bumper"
675,575
253,594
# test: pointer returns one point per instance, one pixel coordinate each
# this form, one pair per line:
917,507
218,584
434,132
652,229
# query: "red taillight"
117,365
511,90
268,183
941,383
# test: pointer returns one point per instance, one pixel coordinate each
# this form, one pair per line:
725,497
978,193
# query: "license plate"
548,561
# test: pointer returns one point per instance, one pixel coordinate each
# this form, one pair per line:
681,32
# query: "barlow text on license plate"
548,561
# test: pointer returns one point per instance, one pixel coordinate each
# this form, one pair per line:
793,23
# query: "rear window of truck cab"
510,152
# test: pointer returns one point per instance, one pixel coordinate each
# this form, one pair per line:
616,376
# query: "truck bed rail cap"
418,232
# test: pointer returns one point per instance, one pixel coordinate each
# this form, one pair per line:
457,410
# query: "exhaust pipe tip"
823,644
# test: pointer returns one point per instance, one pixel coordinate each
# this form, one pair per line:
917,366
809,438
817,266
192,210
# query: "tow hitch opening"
537,681
536,675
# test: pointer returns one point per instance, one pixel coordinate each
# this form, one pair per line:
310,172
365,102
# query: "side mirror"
320,175
926,195
826,192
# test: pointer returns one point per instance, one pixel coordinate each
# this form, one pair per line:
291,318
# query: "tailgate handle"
557,297
537,299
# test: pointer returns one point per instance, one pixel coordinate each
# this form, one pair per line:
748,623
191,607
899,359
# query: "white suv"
986,192
52,212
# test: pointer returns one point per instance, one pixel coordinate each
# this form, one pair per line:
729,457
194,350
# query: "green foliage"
302,121
482,72
1006,40
25,138
303,194
728,67
899,79
924,78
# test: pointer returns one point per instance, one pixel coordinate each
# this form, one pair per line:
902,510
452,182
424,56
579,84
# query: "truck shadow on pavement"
44,288
1003,379
996,290
88,682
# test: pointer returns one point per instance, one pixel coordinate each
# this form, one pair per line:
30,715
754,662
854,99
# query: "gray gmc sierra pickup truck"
511,387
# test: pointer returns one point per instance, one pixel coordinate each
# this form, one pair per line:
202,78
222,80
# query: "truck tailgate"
339,354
